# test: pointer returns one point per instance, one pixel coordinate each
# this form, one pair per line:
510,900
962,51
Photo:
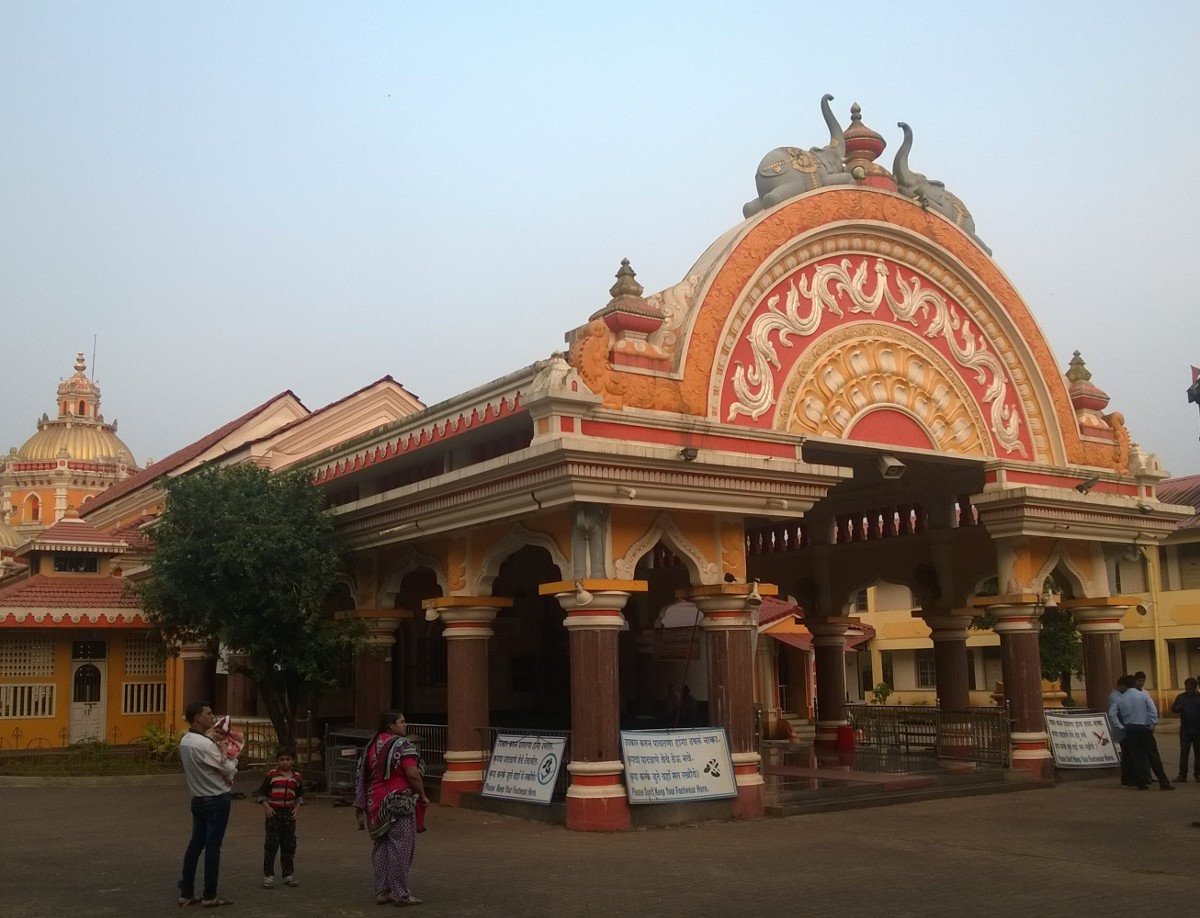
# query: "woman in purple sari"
387,795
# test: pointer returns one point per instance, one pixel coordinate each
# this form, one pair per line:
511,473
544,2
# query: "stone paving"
1083,847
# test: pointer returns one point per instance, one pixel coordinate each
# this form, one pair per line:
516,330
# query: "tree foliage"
247,558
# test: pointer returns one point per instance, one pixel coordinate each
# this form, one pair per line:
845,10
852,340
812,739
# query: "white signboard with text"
677,766
1081,740
524,767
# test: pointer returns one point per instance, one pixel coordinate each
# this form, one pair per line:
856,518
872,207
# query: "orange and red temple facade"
846,371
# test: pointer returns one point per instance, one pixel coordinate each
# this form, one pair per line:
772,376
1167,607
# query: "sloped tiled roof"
69,591
1186,491
178,458
72,533
133,536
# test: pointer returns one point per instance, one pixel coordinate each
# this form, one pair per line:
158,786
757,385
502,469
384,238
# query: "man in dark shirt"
1187,706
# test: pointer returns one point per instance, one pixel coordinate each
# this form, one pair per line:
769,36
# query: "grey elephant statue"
929,194
788,171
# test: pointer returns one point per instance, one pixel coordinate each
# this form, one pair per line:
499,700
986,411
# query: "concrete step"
832,803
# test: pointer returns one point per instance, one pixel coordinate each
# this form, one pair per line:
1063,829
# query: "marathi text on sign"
675,766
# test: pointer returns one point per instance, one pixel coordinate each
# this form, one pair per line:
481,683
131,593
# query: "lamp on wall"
582,596
1084,486
689,453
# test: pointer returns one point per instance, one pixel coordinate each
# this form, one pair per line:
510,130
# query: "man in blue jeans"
210,779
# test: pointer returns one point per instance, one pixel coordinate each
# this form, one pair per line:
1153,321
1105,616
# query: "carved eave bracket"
1060,513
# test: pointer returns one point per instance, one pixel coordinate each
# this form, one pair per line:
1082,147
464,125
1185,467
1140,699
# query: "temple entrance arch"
530,665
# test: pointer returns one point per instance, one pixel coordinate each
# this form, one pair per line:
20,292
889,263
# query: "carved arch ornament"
865,366
835,293
411,561
517,537
665,529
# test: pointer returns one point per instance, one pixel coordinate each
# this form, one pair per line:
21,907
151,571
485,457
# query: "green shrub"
160,744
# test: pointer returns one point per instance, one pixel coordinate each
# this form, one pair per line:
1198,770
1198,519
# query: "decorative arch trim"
516,538
412,560
664,529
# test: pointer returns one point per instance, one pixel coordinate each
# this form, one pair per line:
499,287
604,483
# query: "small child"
281,794
229,740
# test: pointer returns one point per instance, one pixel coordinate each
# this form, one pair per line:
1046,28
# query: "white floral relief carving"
754,386
665,529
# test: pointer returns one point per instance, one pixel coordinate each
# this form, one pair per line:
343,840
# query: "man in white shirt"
209,778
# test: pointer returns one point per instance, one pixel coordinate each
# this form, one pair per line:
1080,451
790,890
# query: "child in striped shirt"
281,794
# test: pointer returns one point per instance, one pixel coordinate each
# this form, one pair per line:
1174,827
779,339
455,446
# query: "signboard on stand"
1081,740
677,766
524,767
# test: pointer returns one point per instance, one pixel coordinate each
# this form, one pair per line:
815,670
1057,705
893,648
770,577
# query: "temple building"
807,466
844,392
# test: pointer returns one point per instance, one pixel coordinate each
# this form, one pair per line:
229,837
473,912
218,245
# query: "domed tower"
66,461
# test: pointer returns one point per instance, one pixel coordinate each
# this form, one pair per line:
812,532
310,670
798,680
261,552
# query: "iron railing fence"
487,736
431,741
976,734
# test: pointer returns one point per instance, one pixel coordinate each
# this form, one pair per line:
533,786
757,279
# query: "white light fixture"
889,466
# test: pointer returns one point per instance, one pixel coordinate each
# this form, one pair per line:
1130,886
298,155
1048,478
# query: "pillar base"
1031,753
751,799
464,775
596,800
826,735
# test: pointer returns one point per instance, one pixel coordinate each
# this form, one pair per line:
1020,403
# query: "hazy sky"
240,198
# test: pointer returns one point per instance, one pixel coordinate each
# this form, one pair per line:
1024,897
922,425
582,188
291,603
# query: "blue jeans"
210,816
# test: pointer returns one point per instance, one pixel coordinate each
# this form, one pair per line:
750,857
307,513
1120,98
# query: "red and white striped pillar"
1098,622
468,626
596,799
728,621
1018,623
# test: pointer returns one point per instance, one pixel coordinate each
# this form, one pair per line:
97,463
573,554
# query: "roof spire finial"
1078,372
626,284
80,363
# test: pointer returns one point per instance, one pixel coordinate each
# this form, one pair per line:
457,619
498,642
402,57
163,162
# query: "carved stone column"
727,621
241,694
468,626
1098,622
950,660
373,666
596,799
829,649
199,672
1018,626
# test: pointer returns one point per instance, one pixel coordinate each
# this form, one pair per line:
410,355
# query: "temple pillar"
596,799
951,663
727,621
829,650
241,694
1098,622
1017,625
199,672
373,666
468,627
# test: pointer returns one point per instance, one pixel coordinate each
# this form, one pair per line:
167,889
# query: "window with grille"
26,701
26,656
145,655
926,669
144,698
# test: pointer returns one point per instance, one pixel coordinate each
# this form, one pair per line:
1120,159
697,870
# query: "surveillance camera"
1145,508
890,466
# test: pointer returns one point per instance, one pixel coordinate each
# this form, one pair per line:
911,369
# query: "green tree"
247,557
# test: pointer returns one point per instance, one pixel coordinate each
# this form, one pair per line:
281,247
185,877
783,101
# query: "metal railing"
487,737
976,734
431,741
89,759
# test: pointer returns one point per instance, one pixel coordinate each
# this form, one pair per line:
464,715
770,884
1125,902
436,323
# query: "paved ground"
1085,847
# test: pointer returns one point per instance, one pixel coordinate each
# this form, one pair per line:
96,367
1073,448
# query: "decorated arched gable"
854,314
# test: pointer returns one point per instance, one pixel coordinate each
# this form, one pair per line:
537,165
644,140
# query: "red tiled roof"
133,536
1186,491
774,609
177,458
69,591
72,531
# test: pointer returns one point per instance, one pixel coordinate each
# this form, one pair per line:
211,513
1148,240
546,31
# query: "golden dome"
80,427
82,439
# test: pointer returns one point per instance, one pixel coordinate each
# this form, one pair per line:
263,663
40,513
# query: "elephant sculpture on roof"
788,171
931,195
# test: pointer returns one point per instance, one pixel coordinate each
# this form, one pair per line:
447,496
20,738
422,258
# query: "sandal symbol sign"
547,768
713,768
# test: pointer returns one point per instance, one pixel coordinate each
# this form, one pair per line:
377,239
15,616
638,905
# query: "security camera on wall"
890,466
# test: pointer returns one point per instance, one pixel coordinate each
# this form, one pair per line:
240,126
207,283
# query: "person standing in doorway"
1187,706
1134,712
209,776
